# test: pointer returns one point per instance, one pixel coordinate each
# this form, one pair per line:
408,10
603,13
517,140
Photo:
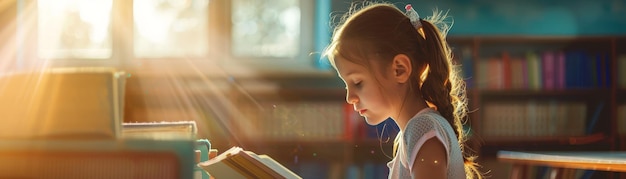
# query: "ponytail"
442,86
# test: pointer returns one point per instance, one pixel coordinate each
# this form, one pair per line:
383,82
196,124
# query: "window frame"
219,42
304,63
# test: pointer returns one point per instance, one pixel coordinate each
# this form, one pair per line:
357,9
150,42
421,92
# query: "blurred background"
541,75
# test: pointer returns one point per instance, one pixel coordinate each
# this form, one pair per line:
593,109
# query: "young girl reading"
396,65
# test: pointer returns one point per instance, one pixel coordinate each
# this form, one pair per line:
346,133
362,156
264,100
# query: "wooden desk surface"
596,160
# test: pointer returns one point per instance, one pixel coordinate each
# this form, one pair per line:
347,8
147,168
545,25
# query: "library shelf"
600,96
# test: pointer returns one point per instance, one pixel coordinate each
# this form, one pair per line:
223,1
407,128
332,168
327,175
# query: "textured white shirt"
426,124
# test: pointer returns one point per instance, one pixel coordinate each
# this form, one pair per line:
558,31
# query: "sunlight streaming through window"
170,28
74,28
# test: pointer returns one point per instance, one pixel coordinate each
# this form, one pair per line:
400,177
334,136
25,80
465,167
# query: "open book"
238,163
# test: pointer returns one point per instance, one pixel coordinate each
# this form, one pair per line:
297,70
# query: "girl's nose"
351,98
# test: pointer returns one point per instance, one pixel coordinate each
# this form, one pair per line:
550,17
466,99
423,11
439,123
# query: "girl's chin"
373,121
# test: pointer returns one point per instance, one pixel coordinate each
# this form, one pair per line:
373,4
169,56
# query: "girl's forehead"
345,66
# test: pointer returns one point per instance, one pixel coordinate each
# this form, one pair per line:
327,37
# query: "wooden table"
614,161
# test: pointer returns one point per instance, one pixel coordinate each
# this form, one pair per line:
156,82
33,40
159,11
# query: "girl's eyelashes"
357,83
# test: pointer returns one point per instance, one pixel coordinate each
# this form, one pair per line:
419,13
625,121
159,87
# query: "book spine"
516,73
548,69
570,70
494,68
560,70
506,71
534,71
482,73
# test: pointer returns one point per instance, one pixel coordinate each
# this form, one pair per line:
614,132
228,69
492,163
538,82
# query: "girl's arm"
431,160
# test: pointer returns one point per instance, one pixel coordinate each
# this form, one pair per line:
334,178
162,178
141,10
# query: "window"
251,33
83,29
266,28
274,35
170,28
74,28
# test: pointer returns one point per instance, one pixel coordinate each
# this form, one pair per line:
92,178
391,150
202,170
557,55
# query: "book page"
220,157
235,159
274,165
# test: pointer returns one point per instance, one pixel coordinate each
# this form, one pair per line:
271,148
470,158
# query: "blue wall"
525,17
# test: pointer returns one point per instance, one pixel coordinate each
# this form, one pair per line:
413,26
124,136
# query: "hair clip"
413,16
415,19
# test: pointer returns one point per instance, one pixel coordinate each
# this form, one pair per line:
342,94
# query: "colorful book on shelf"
548,65
496,74
518,73
482,74
534,71
238,163
560,70
506,70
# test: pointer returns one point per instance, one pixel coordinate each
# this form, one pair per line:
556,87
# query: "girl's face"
364,90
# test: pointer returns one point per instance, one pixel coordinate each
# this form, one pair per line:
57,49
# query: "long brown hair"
381,31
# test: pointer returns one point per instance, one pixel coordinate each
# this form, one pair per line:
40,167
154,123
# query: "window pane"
266,28
74,28
170,28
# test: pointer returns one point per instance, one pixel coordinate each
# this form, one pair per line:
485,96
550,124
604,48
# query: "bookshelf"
543,92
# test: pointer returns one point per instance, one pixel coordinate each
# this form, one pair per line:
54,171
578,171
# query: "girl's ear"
401,67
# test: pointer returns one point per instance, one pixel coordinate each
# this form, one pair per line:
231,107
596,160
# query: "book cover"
239,163
81,102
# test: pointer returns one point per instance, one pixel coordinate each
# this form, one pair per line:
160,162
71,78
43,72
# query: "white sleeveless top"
426,124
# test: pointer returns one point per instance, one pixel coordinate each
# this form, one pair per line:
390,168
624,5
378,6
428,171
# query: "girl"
396,65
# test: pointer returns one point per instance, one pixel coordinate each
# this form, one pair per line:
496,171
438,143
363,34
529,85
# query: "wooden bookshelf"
602,137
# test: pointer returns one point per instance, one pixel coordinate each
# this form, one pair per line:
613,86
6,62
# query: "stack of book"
85,102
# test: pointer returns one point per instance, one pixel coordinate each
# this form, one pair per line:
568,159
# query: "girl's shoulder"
425,122
425,119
